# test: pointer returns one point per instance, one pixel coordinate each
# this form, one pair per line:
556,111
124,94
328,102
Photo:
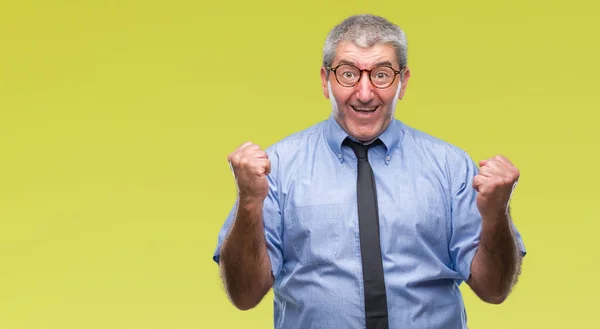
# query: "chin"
363,134
366,132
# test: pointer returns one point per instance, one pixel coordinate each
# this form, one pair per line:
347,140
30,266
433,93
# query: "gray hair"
366,31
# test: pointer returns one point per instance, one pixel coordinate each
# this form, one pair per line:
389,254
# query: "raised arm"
497,262
244,262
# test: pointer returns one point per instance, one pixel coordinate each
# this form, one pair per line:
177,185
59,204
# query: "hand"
250,166
495,184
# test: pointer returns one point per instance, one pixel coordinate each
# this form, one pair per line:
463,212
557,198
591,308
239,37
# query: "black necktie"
368,222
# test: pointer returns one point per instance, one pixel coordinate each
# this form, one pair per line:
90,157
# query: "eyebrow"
346,62
383,63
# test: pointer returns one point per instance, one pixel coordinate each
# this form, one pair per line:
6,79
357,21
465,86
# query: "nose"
364,88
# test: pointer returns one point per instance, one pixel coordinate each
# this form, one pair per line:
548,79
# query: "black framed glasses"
349,75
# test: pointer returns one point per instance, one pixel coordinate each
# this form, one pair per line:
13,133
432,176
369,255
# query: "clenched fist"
495,183
250,166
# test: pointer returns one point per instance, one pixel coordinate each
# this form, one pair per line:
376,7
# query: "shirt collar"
335,135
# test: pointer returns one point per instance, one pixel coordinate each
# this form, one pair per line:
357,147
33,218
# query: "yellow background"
116,118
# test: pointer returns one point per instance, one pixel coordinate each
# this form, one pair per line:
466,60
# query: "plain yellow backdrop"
116,118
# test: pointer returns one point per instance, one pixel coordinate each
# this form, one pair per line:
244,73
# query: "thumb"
268,167
482,163
477,181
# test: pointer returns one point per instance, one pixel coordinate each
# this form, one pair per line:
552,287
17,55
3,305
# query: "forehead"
364,57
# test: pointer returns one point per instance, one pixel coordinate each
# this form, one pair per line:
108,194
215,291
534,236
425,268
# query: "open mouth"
365,109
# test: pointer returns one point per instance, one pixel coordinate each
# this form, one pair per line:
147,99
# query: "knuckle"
244,161
245,144
238,161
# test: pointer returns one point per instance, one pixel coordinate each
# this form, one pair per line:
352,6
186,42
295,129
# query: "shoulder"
289,153
451,160
434,152
296,142
434,146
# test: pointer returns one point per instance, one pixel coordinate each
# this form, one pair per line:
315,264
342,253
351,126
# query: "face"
364,111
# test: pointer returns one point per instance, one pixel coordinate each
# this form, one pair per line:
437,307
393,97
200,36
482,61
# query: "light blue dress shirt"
428,221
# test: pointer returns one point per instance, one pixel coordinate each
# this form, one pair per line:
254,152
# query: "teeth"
365,109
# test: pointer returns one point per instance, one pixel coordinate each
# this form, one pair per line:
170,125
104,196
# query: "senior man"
361,221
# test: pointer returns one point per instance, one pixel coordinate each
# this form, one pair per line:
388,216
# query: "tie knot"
360,150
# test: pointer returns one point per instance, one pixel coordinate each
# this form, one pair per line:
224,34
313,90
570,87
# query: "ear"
405,78
324,82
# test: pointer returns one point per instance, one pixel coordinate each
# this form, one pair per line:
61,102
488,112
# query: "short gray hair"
366,31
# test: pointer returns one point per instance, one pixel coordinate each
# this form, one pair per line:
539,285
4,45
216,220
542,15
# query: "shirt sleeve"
271,221
465,218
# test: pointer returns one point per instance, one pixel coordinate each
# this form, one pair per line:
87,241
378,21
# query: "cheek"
340,95
342,100
390,96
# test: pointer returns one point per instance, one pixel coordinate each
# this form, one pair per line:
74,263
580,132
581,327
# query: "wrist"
496,216
250,202
496,222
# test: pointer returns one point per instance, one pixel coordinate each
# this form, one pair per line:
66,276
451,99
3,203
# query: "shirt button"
339,155
387,158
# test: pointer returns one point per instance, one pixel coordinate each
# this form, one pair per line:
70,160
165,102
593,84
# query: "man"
361,221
